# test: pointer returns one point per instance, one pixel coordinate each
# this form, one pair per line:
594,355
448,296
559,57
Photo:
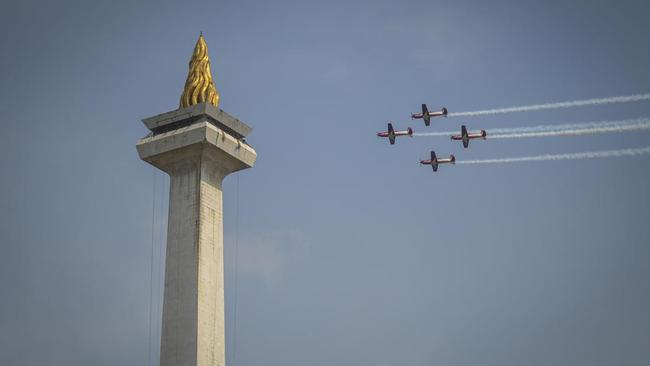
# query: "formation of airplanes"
426,115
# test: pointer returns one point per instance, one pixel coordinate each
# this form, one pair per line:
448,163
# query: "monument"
198,145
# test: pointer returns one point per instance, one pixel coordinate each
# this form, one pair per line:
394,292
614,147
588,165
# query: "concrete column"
197,158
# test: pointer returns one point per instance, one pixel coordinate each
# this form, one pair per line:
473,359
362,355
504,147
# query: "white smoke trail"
598,127
537,107
575,132
573,156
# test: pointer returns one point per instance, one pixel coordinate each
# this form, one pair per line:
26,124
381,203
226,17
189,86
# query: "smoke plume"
572,156
558,130
569,104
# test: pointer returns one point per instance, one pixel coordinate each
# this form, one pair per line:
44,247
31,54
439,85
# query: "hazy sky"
349,252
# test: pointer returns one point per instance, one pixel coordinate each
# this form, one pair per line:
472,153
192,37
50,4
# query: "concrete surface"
170,120
197,158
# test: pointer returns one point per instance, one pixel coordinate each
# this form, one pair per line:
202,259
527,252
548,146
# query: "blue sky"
349,252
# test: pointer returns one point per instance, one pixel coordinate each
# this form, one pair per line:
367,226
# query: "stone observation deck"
199,112
201,125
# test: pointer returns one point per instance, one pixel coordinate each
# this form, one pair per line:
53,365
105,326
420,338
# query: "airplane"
426,115
391,133
434,161
465,137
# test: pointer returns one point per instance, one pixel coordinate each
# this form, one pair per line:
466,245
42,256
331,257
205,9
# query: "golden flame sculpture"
199,86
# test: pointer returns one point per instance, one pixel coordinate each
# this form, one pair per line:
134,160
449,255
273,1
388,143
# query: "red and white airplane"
426,115
465,137
434,161
391,133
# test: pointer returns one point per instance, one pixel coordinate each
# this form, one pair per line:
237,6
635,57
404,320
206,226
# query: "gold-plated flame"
199,86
